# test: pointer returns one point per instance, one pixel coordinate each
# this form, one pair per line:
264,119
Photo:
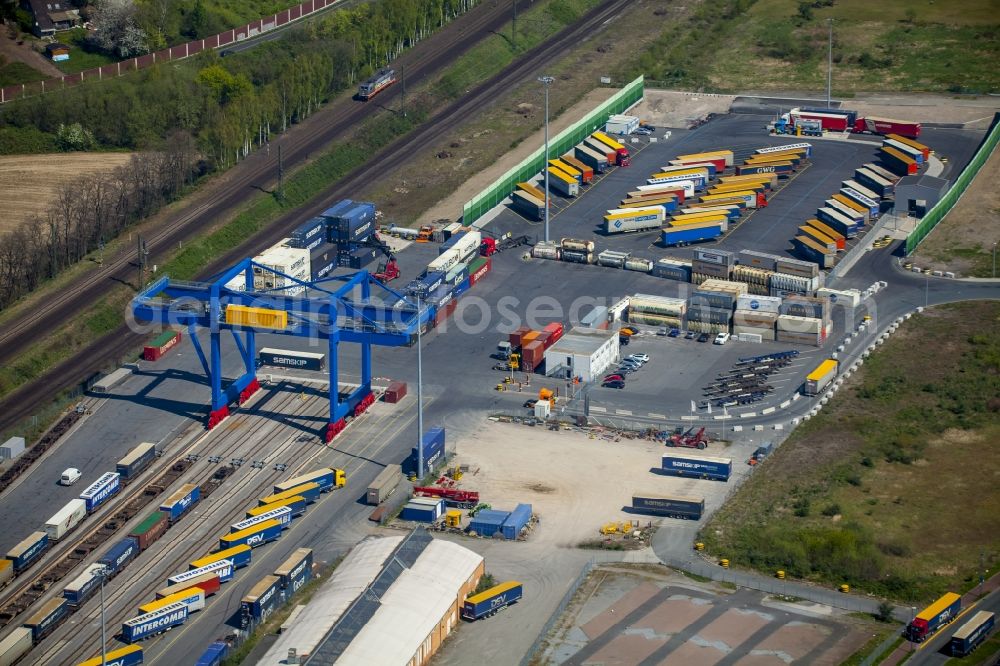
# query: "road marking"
603,410
689,418
748,415
623,412
656,416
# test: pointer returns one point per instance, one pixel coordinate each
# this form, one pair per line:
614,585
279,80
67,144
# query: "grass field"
742,45
13,73
32,182
893,488
963,240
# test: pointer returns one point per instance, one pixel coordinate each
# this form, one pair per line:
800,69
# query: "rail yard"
676,302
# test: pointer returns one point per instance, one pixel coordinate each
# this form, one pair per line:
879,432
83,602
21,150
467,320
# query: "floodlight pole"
829,64
546,81
420,398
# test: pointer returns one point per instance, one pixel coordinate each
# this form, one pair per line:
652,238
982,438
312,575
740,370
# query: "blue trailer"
137,460
282,514
327,478
214,655
25,553
262,599
968,637
840,223
154,623
296,571
669,506
433,444
490,601
257,535
690,233
118,557
781,168
221,568
177,504
716,469
862,200
238,555
45,620
101,490
83,586
516,521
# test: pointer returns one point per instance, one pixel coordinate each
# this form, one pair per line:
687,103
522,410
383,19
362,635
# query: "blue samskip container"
716,469
120,555
460,288
516,521
433,444
29,550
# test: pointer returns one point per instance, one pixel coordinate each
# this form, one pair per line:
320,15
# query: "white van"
70,476
721,339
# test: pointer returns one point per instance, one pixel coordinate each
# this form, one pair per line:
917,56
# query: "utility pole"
143,256
281,175
995,259
402,96
546,81
829,64
104,637
513,25
420,398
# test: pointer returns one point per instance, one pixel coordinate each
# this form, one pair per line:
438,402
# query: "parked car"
674,332
661,331
635,365
530,404
625,369
623,340
628,330
70,476
642,358
703,337
721,339
617,384
613,378
689,335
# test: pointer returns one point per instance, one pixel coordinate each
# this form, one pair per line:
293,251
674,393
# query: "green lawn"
13,73
893,487
80,58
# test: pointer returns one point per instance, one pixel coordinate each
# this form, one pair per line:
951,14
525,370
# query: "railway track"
118,343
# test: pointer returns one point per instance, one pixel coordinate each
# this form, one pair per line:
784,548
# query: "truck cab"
503,350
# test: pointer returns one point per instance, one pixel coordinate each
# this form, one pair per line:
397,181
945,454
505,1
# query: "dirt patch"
963,240
23,52
667,108
32,182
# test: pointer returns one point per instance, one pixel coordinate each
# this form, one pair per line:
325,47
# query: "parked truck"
644,218
820,378
840,120
491,601
384,484
690,233
968,637
932,618
668,506
716,469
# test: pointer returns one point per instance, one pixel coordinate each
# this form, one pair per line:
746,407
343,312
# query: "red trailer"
555,331
829,121
873,125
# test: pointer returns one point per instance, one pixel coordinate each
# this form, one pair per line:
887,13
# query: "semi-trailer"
297,504
725,188
491,601
528,205
829,232
595,159
698,177
682,190
866,202
669,506
621,220
222,568
309,491
295,571
849,212
725,155
6,572
812,251
820,377
898,163
838,221
670,203
882,171
209,583
101,490
144,626
24,554
282,514
327,478
238,555
567,169
586,171
915,154
262,599
887,127
697,218
610,157
971,634
45,620
733,212
716,469
879,185
924,150
932,618
384,484
847,201
854,185
65,519
177,504
803,147
254,536
130,655
829,244
622,158
709,167
750,198
768,180
692,233
718,163
193,597
137,460
563,183
780,168
531,190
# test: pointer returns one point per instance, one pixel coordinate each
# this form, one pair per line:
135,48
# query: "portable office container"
262,599
137,460
238,555
177,504
254,536
670,506
516,521
295,571
101,490
423,509
30,549
717,469
144,626
119,555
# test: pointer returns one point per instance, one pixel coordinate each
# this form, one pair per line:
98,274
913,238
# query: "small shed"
915,195
423,509
12,448
57,52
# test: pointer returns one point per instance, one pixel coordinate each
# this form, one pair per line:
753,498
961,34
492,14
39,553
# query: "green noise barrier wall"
558,145
937,213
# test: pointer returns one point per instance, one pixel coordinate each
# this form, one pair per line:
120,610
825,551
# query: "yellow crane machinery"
453,518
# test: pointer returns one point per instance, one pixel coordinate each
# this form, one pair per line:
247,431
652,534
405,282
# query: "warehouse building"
583,353
393,600
915,195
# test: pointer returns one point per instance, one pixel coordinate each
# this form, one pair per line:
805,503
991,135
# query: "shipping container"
383,485
490,601
263,599
669,506
969,636
210,583
286,358
144,626
101,490
820,378
282,514
633,219
533,355
241,315
716,469
488,522
254,536
160,345
137,460
295,571
757,303
309,491
119,555
433,446
673,270
326,477
177,504
130,655
223,568
45,620
935,616
214,654
692,233
66,519
24,554
193,597
516,521
81,588
705,314
238,555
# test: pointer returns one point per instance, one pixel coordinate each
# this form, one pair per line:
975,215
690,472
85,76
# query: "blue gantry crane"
353,308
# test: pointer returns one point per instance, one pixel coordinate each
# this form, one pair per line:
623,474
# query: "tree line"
219,107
